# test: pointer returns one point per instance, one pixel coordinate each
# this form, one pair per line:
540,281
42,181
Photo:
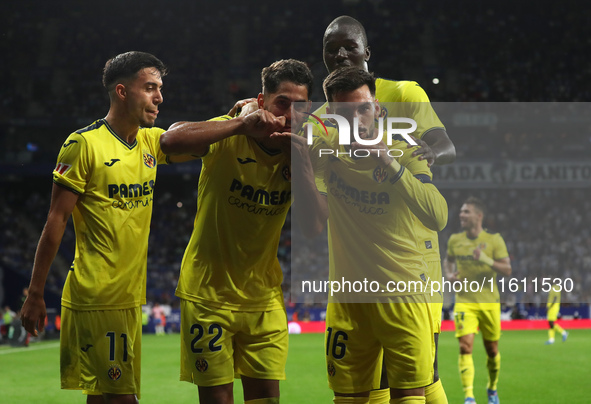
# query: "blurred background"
52,59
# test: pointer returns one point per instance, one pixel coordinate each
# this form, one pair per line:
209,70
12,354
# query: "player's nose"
159,98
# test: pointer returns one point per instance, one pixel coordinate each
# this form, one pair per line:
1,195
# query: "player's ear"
261,101
377,109
120,91
367,54
329,110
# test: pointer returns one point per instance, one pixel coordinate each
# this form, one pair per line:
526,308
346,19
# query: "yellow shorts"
469,318
359,335
220,345
100,351
553,313
437,298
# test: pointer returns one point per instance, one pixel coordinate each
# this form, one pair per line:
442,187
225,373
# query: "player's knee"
259,388
492,349
465,348
217,394
401,393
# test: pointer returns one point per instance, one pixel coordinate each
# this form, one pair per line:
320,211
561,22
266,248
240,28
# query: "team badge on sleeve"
62,168
149,160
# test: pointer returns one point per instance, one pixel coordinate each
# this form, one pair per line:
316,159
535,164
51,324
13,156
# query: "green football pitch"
531,372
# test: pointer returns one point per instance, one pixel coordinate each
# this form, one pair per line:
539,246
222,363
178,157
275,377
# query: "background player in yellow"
104,178
345,44
477,255
234,322
374,238
552,308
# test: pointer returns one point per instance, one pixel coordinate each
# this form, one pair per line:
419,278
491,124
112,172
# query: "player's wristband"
485,259
394,171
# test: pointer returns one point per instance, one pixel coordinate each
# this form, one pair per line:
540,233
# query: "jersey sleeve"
214,147
420,109
418,168
154,136
72,168
423,199
500,248
413,183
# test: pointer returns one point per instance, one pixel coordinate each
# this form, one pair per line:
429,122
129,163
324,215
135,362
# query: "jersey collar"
129,146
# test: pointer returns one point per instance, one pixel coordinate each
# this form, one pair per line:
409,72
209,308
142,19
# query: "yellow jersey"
461,248
418,107
244,196
372,231
115,182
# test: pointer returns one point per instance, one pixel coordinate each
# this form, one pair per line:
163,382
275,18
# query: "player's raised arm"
34,312
412,177
415,187
422,197
308,201
195,137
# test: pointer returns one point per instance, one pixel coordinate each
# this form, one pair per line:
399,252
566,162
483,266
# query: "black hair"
348,79
286,70
126,66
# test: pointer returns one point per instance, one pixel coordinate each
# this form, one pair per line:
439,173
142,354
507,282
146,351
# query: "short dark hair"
286,70
348,79
477,203
127,65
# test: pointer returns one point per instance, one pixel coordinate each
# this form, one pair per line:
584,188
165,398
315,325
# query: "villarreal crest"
149,160
201,365
380,174
114,372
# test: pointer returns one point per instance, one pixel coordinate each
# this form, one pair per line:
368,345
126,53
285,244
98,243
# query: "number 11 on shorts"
111,336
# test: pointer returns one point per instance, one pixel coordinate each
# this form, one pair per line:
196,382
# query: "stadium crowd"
55,82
